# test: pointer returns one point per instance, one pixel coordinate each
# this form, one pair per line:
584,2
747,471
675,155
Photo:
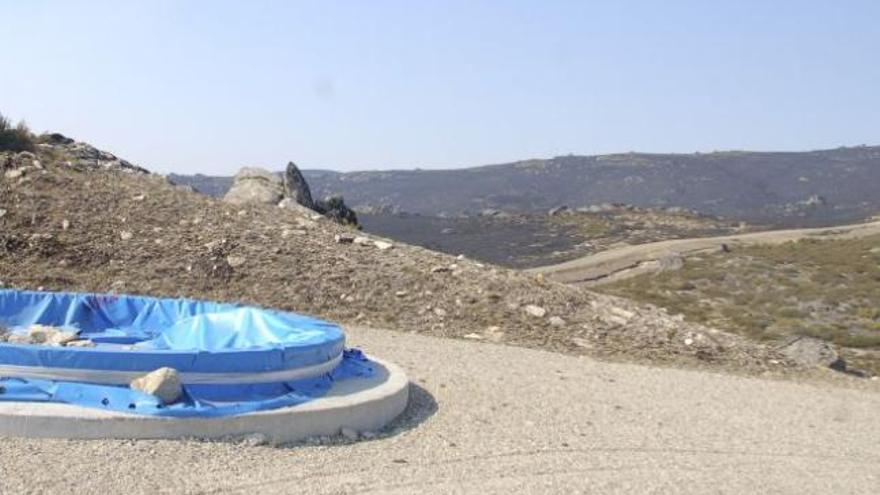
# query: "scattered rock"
441,269
65,224
344,238
362,241
164,383
125,235
474,336
536,311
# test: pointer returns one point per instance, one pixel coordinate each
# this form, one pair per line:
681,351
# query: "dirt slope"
73,226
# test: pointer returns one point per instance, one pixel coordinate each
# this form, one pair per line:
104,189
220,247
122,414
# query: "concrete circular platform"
361,405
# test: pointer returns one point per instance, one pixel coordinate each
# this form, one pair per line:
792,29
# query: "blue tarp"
141,334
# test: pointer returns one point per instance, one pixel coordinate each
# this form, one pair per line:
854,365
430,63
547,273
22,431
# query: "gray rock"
296,187
810,352
164,383
255,185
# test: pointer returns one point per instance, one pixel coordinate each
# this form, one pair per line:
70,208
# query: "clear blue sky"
208,86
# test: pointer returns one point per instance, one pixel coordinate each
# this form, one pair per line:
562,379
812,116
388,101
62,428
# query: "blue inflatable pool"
231,358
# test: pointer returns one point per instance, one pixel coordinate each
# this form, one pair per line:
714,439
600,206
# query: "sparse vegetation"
15,138
828,289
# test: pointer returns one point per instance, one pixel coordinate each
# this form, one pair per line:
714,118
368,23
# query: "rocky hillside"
790,188
105,225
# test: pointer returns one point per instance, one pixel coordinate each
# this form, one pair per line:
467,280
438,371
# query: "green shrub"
15,138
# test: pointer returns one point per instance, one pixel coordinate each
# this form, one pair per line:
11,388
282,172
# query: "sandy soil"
488,418
629,261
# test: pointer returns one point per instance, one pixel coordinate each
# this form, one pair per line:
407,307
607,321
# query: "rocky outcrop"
255,185
296,187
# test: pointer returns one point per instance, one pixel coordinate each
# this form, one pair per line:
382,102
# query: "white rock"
255,440
688,341
164,383
362,241
125,235
65,224
439,311
14,173
536,311
382,245
474,336
2,213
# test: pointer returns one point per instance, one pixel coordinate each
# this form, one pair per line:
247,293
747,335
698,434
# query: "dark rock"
296,187
334,208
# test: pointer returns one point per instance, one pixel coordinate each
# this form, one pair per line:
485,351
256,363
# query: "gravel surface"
488,418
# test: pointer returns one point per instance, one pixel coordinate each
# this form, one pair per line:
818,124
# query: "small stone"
440,269
369,435
362,241
164,383
125,235
344,238
2,213
65,224
439,311
474,336
556,321
688,341
139,197
349,433
382,245
401,293
255,440
236,261
536,311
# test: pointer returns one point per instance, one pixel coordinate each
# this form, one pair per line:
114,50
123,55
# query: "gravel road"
630,261
494,419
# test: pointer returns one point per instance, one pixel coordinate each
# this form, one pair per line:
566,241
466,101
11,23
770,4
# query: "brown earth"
73,226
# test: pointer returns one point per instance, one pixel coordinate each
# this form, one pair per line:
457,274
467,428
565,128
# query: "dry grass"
827,289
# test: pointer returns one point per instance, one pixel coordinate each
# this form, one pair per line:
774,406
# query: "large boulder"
296,187
255,185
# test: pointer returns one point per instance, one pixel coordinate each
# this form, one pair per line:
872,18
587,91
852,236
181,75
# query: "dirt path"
629,261
493,419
